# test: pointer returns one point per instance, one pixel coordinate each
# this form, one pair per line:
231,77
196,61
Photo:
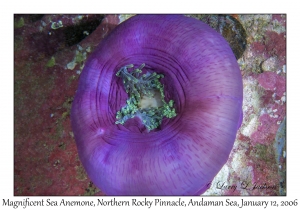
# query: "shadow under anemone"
183,148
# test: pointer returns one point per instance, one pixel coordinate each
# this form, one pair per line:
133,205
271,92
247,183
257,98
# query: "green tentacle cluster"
141,88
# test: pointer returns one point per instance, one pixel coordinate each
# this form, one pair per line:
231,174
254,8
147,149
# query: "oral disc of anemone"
146,98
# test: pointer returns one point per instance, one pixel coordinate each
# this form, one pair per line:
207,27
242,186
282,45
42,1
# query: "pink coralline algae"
274,84
258,156
272,81
45,156
266,131
258,47
268,80
273,44
276,45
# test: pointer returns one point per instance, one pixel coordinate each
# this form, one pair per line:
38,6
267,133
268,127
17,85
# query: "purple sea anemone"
157,108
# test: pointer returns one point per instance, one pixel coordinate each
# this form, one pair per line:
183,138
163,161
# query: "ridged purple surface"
186,152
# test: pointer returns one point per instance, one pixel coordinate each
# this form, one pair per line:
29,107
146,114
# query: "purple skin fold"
185,153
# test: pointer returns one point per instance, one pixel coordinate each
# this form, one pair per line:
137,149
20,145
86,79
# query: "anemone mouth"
151,102
174,82
145,92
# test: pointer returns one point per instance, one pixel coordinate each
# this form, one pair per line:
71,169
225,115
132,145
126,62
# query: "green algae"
255,25
18,42
91,190
56,25
263,153
65,114
51,62
80,57
80,173
19,23
66,106
72,78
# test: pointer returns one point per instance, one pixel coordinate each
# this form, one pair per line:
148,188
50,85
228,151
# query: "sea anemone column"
157,108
